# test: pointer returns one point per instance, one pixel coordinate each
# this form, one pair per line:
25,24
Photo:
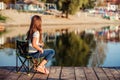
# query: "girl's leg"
47,54
43,62
41,67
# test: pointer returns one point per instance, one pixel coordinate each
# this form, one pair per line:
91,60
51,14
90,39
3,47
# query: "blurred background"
82,32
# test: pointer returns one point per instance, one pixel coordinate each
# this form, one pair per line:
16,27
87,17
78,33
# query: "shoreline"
50,23
20,30
22,18
53,24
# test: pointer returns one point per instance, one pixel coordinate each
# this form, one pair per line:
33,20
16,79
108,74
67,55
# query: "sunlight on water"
7,57
112,55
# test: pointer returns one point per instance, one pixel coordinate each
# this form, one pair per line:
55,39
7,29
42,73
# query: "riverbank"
18,22
23,18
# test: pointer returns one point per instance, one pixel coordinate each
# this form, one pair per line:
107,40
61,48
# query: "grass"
2,18
2,32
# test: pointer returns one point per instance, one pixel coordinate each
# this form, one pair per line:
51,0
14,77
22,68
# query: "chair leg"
17,63
32,66
28,67
23,64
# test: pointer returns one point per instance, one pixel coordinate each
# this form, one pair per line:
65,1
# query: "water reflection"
112,55
7,57
8,51
98,55
104,36
89,48
72,50
9,42
109,33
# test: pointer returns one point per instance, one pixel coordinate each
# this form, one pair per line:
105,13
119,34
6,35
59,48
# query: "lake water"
111,59
112,55
109,56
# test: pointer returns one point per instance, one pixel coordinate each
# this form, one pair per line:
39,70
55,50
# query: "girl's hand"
41,44
41,51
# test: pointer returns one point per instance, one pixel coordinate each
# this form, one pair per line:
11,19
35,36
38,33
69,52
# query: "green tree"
89,39
72,6
50,1
42,0
9,1
2,18
68,6
91,4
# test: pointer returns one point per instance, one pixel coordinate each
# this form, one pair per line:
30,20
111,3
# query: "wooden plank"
115,73
90,74
79,73
100,73
25,76
40,76
118,69
3,73
54,73
65,73
13,76
68,73
108,73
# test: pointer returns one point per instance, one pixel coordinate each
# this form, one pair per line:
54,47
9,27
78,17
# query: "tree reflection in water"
98,55
72,50
8,44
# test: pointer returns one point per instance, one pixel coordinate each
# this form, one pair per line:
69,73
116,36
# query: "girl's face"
37,23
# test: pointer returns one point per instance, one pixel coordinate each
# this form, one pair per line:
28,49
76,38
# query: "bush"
2,18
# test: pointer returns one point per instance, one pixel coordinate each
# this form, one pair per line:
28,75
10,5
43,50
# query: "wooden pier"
63,73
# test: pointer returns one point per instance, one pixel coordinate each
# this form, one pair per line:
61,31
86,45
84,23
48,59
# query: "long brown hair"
35,26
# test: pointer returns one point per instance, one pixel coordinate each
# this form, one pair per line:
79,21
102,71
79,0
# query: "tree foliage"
2,18
68,5
9,1
72,6
42,1
50,1
89,39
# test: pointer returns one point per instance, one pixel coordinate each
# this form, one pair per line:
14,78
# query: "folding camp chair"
23,56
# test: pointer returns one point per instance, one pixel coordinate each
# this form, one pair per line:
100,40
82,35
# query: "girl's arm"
41,44
36,46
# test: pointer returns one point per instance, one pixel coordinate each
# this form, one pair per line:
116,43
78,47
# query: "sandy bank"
18,22
23,18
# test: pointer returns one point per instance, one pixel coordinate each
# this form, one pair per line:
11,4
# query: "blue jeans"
47,54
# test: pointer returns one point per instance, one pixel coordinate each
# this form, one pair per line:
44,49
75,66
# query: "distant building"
29,5
35,6
115,2
112,7
105,2
2,6
112,4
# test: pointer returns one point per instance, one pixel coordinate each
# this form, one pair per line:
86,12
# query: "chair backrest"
22,47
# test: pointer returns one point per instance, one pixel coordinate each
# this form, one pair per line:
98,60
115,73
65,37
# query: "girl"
34,36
